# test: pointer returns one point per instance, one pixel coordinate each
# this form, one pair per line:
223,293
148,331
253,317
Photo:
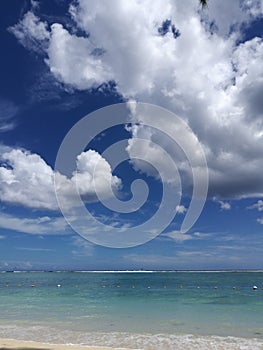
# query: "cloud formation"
44,225
258,205
208,75
178,236
26,179
31,32
223,205
181,209
7,112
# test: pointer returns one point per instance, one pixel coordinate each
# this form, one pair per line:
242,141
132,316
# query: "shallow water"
143,310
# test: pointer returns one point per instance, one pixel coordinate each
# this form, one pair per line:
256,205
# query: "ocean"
134,310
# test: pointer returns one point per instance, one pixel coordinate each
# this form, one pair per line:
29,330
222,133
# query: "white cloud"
85,179
223,205
201,235
66,51
224,17
258,206
214,82
181,209
26,179
35,4
6,126
35,249
7,112
39,226
31,32
178,236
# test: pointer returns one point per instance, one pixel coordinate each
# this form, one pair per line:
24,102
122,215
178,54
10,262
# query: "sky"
131,135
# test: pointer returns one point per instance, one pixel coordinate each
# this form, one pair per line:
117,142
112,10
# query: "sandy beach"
24,345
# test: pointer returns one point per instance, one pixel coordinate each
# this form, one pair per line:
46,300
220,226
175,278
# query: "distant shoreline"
130,271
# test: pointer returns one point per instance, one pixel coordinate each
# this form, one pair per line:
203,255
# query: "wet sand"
10,344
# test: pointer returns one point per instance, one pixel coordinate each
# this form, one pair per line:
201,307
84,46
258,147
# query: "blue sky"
61,61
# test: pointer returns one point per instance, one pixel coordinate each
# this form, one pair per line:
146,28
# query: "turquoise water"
133,309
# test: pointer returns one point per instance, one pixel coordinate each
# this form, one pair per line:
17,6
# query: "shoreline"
12,344
186,342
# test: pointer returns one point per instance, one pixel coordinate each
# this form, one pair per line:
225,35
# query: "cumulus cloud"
26,179
206,75
66,51
181,209
89,183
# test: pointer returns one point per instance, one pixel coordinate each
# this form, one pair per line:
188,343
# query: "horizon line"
131,271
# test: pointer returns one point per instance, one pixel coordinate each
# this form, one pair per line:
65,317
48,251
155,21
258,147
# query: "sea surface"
136,310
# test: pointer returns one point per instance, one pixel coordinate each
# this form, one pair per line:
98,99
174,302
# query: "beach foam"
126,340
